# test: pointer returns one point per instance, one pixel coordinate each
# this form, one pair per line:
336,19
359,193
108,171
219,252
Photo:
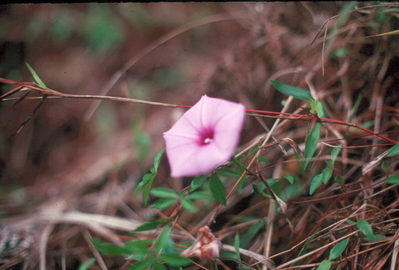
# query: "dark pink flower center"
206,137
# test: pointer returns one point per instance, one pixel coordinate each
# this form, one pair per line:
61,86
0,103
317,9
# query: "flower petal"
227,130
187,153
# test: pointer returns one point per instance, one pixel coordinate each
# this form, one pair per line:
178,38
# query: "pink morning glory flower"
205,137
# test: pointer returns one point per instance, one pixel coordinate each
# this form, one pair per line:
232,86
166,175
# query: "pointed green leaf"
86,264
109,249
394,151
316,183
36,77
259,189
317,107
338,249
334,154
165,193
237,245
188,205
311,143
143,265
164,241
218,189
138,249
292,90
325,265
157,160
197,182
162,204
199,196
320,179
394,179
158,266
327,173
228,172
131,247
145,186
367,230
291,178
150,225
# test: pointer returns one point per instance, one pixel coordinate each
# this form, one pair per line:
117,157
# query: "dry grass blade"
395,252
31,115
43,245
95,252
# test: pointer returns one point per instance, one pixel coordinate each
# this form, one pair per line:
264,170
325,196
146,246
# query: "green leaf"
145,186
291,178
311,143
86,264
292,191
175,260
317,181
237,245
36,77
292,90
259,189
394,179
394,151
158,266
338,249
276,185
201,196
164,241
327,173
334,154
165,193
325,265
139,247
109,249
367,230
227,172
157,160
197,182
218,189
317,107
149,178
150,225
143,265
188,205
162,204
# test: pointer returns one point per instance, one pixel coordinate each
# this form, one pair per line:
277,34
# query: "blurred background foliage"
76,48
